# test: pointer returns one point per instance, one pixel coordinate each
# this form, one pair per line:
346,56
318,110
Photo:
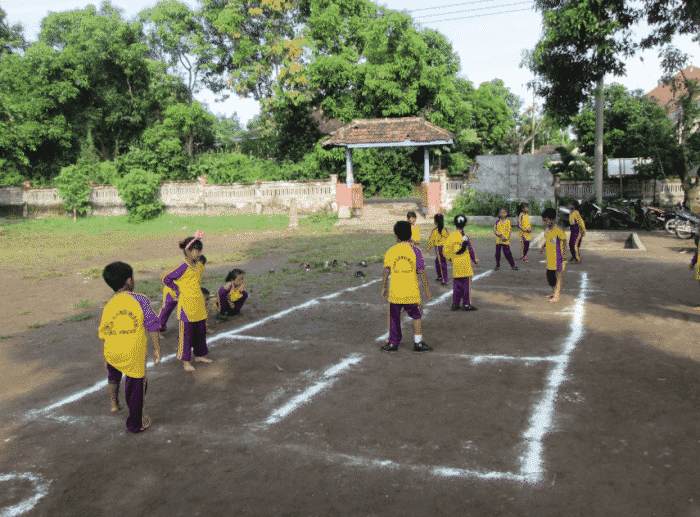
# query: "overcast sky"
488,41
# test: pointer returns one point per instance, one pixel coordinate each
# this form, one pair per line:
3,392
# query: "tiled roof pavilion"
389,132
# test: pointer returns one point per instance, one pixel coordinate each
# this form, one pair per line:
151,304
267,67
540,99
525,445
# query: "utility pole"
598,171
533,125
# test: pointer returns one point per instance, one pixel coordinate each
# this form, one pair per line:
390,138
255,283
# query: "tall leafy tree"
11,37
184,39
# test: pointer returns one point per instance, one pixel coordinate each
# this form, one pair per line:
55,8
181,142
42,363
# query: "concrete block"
344,212
634,242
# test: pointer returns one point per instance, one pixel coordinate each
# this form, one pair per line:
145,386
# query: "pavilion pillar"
426,165
349,180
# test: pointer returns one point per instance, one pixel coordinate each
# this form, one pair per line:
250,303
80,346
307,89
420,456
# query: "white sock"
417,338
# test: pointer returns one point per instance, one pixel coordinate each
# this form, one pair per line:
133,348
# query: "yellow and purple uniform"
125,320
229,300
524,226
169,301
404,261
461,264
415,234
437,239
503,231
577,230
186,282
555,248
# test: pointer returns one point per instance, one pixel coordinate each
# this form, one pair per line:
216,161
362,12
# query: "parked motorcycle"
687,225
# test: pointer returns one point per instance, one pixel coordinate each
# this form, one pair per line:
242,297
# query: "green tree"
11,38
182,38
139,189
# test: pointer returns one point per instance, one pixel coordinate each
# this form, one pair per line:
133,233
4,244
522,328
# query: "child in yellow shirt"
455,247
125,320
524,229
555,246
438,238
415,231
502,232
403,266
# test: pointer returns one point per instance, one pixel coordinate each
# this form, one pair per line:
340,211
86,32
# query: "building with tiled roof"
389,132
664,96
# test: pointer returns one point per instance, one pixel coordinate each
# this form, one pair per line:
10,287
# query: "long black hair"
440,221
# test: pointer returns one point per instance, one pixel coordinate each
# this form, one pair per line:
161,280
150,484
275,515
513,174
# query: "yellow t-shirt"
125,320
415,233
503,227
404,261
187,282
437,239
556,249
575,219
461,264
524,225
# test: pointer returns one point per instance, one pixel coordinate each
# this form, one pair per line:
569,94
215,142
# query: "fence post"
293,214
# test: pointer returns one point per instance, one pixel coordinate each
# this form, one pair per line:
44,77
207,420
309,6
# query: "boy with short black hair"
125,320
415,231
555,245
403,266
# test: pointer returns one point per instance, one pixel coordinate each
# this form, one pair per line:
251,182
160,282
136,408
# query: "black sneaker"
421,347
515,268
497,268
469,308
389,348
455,307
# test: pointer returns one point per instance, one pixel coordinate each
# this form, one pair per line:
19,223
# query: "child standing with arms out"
524,229
502,232
555,245
578,230
186,281
415,231
404,265
457,244
125,320
438,238
232,295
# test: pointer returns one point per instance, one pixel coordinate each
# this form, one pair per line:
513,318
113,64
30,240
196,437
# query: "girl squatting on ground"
125,320
555,246
524,229
577,231
232,295
186,281
438,238
457,244
403,266
502,232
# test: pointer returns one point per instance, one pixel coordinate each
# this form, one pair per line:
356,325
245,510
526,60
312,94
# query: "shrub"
474,202
73,187
138,190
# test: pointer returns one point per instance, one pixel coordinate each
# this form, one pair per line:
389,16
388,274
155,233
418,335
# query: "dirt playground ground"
587,407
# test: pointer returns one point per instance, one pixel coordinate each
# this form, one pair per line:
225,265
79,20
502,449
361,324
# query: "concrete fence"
665,192
199,198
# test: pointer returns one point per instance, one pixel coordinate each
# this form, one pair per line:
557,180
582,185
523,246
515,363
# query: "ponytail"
440,221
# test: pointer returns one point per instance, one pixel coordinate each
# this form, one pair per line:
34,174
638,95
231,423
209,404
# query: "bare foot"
202,360
115,408
210,331
188,367
554,299
145,422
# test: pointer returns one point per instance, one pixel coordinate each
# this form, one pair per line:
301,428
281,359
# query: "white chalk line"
329,376
542,417
21,508
531,470
103,383
436,301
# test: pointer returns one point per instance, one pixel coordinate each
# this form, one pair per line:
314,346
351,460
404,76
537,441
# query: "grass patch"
84,304
4,337
319,222
28,277
36,325
80,317
52,274
93,272
26,312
